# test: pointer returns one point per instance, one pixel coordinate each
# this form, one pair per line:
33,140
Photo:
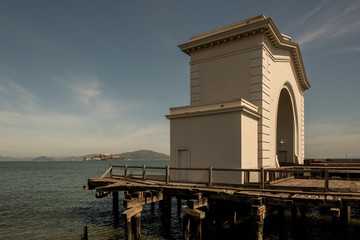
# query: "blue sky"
80,77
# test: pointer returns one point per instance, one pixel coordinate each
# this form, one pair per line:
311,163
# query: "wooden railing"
264,178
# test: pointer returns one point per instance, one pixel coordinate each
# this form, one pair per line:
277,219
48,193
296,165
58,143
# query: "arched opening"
285,129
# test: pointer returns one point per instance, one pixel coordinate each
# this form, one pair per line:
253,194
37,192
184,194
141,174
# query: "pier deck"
334,188
287,193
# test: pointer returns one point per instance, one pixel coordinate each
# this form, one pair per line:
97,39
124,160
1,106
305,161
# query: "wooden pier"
260,192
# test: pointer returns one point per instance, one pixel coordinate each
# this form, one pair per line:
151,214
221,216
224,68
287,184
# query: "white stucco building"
247,101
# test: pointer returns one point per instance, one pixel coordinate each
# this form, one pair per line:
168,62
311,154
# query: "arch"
287,147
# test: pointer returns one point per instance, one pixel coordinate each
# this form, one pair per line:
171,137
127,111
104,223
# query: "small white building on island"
246,102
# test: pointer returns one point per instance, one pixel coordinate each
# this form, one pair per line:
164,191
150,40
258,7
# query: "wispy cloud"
346,50
14,96
303,19
56,134
85,88
328,21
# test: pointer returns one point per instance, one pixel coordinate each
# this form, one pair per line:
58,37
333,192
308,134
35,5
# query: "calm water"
46,200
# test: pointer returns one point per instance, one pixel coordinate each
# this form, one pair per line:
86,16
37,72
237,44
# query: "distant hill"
144,155
43,159
2,158
136,155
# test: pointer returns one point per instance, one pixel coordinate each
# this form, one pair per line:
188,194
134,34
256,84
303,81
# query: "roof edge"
247,28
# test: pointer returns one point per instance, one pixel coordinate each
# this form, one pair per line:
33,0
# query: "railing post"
111,168
262,183
167,178
247,176
210,176
326,179
144,172
125,171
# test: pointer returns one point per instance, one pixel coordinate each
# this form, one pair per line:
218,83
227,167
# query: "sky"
85,76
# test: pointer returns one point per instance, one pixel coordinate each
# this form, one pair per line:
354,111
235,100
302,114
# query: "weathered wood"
178,206
246,176
197,203
84,235
259,213
141,199
210,183
302,211
152,206
137,218
326,179
101,194
278,202
335,212
295,212
125,171
299,192
115,196
281,180
258,210
144,172
186,227
198,233
345,213
262,178
132,212
198,214
167,177
109,170
128,229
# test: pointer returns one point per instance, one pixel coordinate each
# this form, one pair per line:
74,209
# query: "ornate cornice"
244,29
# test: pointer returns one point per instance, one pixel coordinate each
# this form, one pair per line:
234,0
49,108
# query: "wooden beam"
101,194
335,212
141,198
197,203
198,214
132,212
259,210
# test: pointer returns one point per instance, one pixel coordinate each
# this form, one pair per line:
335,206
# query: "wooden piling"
302,211
345,213
295,212
166,214
130,215
326,188
152,206
186,227
144,172
178,209
125,171
115,196
128,229
259,212
167,176
137,218
197,216
210,176
234,218
84,235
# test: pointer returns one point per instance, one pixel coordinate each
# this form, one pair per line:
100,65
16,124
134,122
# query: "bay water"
46,200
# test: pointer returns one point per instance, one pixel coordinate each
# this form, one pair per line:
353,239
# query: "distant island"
136,155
